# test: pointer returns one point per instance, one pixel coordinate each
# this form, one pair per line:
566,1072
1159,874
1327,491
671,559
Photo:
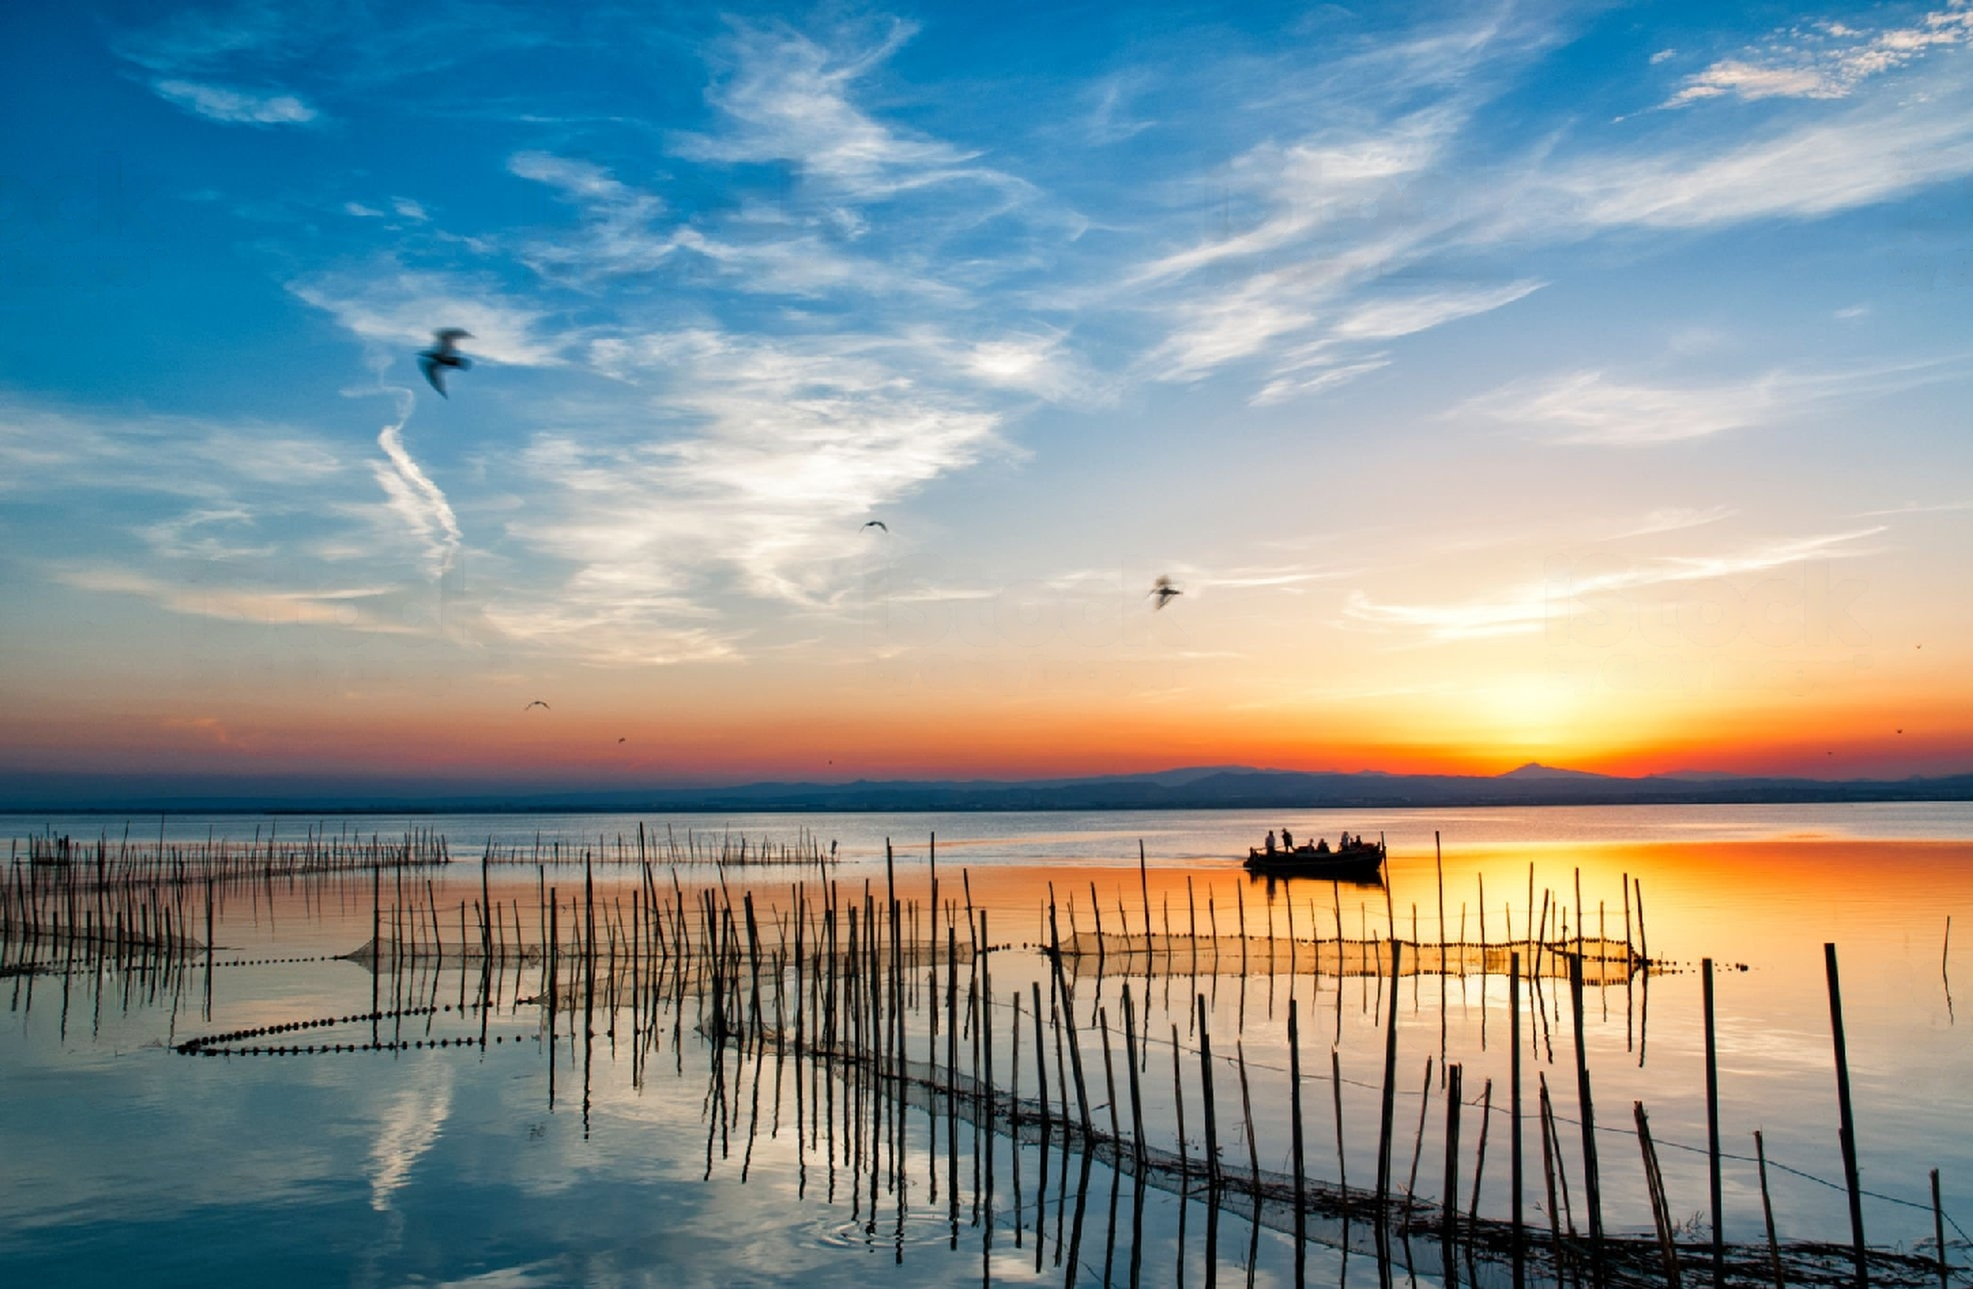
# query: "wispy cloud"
1375,227
236,520
789,98
1675,519
413,495
235,106
776,452
1878,149
1591,407
1825,59
618,234
1524,609
273,606
400,308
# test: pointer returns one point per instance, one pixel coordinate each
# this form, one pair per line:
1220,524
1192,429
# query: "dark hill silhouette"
1199,788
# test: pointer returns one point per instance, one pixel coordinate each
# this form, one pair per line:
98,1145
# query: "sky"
1582,383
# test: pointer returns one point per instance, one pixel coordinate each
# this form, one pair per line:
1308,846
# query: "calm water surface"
450,1165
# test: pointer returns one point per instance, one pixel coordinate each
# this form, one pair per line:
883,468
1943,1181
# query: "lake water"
590,1151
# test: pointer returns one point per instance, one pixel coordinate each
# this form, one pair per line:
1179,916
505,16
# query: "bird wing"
428,363
449,337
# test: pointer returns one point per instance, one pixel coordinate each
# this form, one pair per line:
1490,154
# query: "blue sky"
1371,327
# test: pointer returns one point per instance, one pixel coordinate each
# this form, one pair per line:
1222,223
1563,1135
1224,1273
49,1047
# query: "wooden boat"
1356,860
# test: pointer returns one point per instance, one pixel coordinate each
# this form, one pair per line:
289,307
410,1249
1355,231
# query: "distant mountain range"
1195,788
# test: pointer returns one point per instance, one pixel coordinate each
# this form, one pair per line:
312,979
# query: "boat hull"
1356,866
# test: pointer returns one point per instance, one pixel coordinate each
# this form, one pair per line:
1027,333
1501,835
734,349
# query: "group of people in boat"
1321,847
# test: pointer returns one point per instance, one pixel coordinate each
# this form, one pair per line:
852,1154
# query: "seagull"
1162,591
444,353
878,523
619,740
537,703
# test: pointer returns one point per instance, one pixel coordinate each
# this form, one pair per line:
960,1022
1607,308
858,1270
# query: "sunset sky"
1576,383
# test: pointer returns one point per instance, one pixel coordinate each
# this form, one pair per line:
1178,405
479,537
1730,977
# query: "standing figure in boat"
1270,843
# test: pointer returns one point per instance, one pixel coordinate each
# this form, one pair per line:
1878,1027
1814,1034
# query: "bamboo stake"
1713,1128
1136,1100
1767,1214
1450,1200
1390,1087
1592,1190
1342,1164
1660,1207
1480,1164
1848,1133
1295,1144
1939,1233
1514,1150
1247,1115
1206,1093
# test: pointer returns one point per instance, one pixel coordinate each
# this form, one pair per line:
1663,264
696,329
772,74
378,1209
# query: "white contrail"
414,496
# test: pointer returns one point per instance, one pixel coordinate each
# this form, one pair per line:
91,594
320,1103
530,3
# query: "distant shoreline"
1199,789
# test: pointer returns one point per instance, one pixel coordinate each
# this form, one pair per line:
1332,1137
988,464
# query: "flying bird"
619,740
878,523
444,354
1162,591
537,703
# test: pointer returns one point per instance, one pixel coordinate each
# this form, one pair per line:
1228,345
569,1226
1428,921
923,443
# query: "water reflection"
781,1042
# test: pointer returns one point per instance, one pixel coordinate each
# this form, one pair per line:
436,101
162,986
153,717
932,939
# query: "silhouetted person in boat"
1287,840
1270,842
1322,846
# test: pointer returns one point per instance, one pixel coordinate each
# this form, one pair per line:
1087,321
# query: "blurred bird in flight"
536,703
444,354
878,523
1162,591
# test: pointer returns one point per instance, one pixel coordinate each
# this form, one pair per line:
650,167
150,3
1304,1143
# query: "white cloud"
1404,315
1825,61
1295,385
1673,519
401,308
235,107
1875,152
1589,407
1526,608
414,497
787,98
1321,232
618,234
747,478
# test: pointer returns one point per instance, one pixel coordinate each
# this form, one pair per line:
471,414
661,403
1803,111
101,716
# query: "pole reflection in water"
831,1010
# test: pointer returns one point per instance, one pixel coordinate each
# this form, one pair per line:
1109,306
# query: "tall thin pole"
1849,1128
1514,1010
1295,1144
1713,1126
1389,1109
1592,1187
